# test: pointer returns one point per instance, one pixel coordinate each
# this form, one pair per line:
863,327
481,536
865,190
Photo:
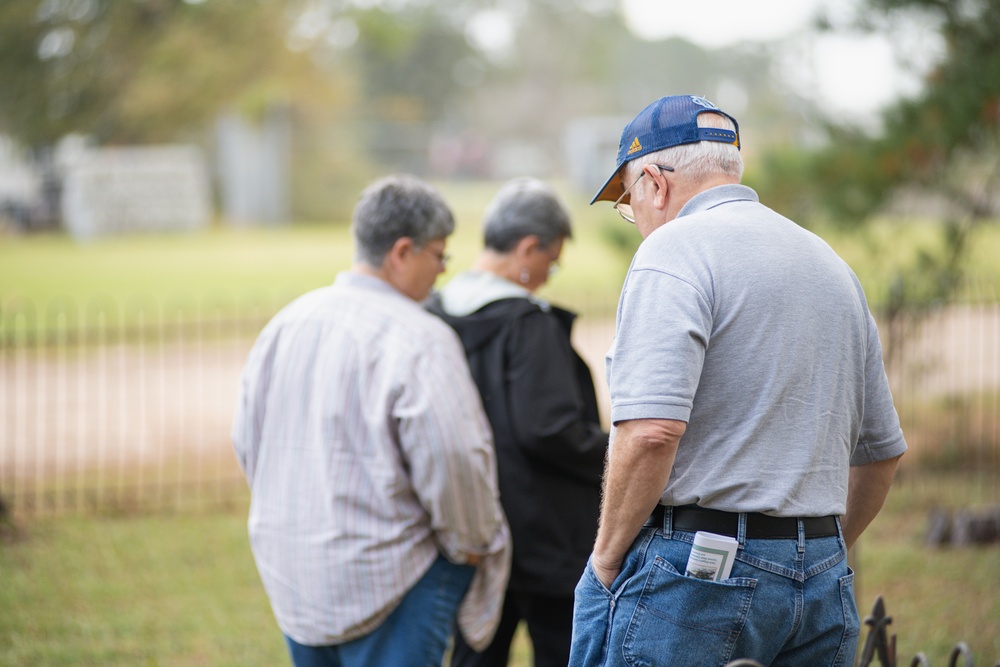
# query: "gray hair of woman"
522,207
395,207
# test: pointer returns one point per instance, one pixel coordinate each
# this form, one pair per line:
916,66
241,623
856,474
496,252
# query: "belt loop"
741,528
801,527
668,521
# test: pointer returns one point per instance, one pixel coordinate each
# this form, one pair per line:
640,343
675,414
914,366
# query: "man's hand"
606,572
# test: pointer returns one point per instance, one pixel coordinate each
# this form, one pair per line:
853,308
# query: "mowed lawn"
226,269
234,269
182,590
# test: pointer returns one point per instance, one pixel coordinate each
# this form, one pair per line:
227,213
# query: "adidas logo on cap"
635,147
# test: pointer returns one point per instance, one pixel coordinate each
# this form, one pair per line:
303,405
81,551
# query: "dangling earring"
525,276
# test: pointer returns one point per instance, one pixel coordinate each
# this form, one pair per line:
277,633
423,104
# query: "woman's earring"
525,276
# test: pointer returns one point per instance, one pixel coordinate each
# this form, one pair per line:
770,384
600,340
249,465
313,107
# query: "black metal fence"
108,406
880,644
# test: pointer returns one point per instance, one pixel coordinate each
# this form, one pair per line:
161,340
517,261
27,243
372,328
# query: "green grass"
886,249
231,266
229,270
936,596
183,590
178,590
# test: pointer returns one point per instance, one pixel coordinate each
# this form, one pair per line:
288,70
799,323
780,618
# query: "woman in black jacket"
539,396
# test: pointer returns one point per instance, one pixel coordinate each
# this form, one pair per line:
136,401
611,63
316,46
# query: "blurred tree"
567,59
512,74
393,75
557,61
406,59
936,157
147,69
943,141
937,154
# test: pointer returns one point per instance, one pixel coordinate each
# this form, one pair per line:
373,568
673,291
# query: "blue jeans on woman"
414,635
786,602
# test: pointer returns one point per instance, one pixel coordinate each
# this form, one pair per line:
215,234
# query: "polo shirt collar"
720,194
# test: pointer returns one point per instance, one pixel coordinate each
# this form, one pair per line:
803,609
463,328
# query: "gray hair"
398,207
699,160
522,207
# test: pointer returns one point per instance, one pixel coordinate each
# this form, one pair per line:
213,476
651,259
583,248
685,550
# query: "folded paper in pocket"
711,556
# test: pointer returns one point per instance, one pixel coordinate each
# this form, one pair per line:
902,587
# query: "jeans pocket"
592,608
686,621
852,622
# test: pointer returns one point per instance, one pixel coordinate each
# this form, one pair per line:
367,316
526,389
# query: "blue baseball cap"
669,121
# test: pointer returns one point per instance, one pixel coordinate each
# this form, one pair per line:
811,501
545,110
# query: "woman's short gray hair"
522,207
398,207
699,160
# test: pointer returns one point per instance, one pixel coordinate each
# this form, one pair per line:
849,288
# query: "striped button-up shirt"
362,437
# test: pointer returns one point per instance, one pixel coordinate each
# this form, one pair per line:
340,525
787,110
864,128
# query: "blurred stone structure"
590,144
254,167
111,191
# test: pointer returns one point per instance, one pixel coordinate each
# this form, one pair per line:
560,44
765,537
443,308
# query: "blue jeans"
787,602
414,635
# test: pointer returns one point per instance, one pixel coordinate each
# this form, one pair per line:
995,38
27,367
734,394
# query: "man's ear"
662,194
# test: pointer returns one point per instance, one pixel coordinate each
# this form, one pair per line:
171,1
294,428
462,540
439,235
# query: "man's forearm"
637,473
868,486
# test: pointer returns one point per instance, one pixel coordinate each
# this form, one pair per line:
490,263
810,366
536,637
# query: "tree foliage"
939,145
406,61
144,70
936,156
941,139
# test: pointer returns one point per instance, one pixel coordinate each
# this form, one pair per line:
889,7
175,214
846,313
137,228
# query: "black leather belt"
691,519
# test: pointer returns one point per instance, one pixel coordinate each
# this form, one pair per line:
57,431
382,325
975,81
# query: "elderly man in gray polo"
749,401
375,514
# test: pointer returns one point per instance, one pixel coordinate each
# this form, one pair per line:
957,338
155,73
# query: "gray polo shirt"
753,331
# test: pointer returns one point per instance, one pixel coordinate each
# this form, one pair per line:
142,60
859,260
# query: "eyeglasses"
625,210
553,266
442,257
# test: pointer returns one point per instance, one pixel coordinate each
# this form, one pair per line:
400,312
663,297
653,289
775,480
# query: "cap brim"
611,190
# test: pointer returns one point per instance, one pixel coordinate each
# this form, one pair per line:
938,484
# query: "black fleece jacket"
539,396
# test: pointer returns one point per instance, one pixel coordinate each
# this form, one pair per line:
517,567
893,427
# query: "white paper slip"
711,556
